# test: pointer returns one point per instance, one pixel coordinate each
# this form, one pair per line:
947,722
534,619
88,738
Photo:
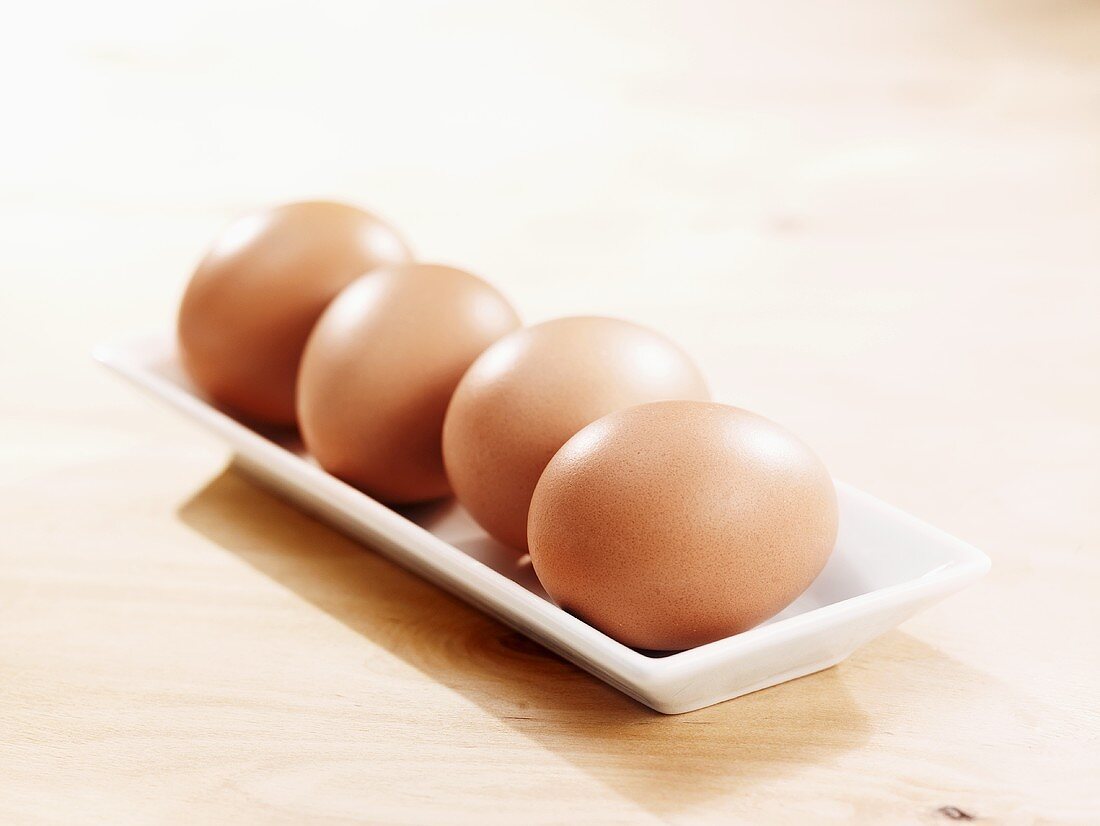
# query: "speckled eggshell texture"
532,390
675,524
379,371
250,305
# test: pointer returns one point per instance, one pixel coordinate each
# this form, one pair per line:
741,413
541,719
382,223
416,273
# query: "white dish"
887,566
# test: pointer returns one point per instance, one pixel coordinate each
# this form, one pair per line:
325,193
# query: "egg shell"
252,301
675,524
379,370
532,390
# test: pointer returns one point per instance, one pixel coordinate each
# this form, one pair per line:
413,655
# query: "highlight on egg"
379,370
255,296
674,524
530,392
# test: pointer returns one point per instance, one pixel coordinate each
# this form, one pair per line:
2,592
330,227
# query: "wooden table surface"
876,223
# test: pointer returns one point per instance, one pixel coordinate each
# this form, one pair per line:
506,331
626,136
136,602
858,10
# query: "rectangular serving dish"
887,565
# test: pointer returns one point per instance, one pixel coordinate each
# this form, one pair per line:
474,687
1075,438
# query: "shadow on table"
662,763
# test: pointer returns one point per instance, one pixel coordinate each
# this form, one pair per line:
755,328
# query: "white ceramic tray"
886,567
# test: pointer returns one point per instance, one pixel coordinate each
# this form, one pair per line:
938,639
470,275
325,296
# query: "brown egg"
380,368
531,391
256,295
674,524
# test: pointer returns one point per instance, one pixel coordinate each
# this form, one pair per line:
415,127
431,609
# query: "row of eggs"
660,517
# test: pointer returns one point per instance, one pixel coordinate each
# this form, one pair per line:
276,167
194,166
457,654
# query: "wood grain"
876,226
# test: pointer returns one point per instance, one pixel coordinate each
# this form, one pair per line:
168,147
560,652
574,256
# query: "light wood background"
876,222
